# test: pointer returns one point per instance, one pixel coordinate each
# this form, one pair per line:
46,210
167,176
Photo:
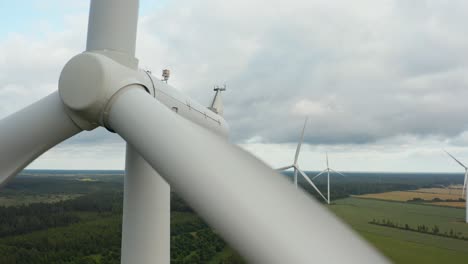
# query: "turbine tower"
327,170
172,141
464,192
295,165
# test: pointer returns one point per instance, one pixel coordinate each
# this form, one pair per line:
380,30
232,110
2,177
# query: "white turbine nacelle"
90,80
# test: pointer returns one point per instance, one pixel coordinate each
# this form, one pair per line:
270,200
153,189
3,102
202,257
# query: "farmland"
403,246
434,196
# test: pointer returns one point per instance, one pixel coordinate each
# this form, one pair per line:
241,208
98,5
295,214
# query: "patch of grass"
404,246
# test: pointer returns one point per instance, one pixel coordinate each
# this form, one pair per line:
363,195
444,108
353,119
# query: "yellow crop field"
427,194
455,190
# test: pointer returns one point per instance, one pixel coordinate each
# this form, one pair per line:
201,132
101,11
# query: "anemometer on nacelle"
219,89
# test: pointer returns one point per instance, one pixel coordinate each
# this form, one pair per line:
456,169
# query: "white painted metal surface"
112,26
327,171
298,149
295,164
465,181
188,108
26,134
146,213
296,168
263,217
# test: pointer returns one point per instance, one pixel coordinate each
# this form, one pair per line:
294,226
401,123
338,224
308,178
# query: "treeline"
342,190
192,240
62,185
357,183
87,230
196,247
436,199
92,242
38,216
434,230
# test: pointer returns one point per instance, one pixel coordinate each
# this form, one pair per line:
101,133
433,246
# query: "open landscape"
229,132
76,218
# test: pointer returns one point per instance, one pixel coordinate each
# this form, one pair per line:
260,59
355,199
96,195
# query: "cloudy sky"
385,83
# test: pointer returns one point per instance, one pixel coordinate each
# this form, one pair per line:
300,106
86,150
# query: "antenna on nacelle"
217,105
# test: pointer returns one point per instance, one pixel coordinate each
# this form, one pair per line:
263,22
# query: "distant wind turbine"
295,165
327,170
464,193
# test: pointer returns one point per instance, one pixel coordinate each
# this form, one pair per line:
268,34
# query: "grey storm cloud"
363,71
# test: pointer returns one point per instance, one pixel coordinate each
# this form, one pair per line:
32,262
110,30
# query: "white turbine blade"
326,154
285,168
298,149
295,176
145,225
338,172
316,176
112,26
459,162
238,186
312,184
464,183
26,134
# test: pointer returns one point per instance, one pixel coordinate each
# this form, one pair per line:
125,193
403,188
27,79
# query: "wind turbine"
464,192
295,165
172,141
327,170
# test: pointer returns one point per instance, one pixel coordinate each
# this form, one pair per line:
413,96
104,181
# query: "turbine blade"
328,166
319,174
285,168
145,225
459,162
298,149
26,134
338,172
238,185
464,183
295,176
312,184
112,26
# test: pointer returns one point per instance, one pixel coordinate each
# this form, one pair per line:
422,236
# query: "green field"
403,246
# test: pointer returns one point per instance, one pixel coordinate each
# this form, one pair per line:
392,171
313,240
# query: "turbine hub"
88,82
